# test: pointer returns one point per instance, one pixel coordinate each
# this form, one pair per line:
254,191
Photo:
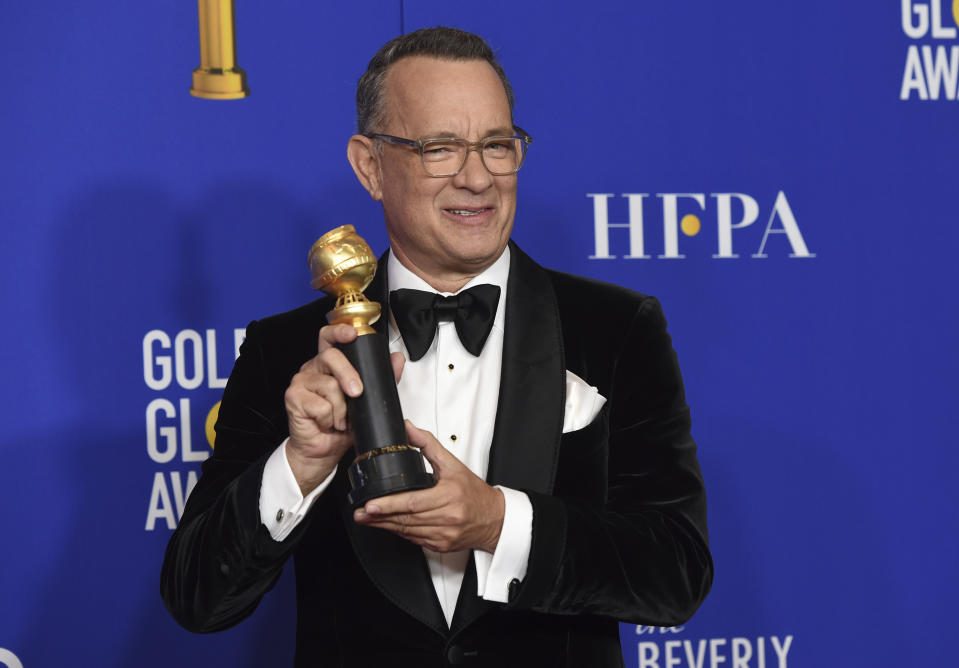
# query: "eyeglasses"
446,156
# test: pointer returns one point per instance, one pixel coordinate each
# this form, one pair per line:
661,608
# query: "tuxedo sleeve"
221,559
623,533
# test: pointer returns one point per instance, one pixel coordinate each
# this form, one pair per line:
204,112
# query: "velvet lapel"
532,391
395,565
532,399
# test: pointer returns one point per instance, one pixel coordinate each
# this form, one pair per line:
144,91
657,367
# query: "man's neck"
447,282
400,276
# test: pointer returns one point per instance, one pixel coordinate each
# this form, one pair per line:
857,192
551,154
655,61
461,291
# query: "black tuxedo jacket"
619,514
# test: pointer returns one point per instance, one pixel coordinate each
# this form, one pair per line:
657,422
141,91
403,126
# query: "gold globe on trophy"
342,265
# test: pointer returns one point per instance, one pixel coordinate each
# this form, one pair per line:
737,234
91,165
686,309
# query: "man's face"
453,227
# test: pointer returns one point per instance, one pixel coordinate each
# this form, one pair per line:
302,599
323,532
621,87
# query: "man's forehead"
440,96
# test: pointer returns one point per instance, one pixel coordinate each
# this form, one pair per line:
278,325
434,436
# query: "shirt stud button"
453,437
449,366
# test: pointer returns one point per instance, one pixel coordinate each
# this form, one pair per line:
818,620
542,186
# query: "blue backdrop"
781,175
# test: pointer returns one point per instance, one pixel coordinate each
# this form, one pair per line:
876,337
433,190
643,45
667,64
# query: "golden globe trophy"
342,265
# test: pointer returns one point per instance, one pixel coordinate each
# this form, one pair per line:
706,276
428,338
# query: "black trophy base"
385,471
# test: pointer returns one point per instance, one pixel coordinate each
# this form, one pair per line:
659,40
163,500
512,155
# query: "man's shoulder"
585,302
301,323
570,287
587,305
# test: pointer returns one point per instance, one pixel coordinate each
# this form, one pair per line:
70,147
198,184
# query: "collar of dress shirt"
399,277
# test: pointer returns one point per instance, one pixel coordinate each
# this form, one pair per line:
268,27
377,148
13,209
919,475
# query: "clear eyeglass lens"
443,152
444,157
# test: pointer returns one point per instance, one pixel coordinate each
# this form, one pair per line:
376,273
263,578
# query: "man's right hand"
316,408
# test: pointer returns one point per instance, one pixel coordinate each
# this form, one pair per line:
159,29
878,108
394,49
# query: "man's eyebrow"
495,132
440,134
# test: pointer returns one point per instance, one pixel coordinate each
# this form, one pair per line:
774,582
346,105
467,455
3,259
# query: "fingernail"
354,387
341,425
359,514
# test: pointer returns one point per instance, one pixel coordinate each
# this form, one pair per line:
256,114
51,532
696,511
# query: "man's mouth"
468,212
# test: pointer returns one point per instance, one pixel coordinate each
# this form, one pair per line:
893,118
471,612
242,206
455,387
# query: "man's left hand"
460,512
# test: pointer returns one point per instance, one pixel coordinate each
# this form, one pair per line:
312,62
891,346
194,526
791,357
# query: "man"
568,494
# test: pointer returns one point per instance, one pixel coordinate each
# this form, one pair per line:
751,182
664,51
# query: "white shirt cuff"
495,571
282,505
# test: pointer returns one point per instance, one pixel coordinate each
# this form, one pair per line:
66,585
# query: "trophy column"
342,264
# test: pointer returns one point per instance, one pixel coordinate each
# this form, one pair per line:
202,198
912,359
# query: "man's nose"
474,175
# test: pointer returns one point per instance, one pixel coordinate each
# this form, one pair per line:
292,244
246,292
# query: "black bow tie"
417,312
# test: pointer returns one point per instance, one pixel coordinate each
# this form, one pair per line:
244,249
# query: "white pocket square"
583,403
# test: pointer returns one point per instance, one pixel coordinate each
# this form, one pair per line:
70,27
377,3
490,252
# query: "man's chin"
474,258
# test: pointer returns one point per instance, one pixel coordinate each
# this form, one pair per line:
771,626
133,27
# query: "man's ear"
362,154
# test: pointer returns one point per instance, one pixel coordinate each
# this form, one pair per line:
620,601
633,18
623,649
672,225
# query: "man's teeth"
464,212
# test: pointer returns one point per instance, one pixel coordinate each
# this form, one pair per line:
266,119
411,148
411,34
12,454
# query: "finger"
398,362
333,362
439,457
332,334
305,405
405,503
433,520
439,517
311,385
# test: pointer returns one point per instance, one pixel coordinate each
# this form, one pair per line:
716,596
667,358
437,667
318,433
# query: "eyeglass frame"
477,146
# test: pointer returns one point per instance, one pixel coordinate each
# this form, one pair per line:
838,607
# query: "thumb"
432,449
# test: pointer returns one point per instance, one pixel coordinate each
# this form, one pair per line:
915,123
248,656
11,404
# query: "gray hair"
440,42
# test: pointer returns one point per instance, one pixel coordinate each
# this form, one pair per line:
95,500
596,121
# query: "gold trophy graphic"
342,265
218,77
